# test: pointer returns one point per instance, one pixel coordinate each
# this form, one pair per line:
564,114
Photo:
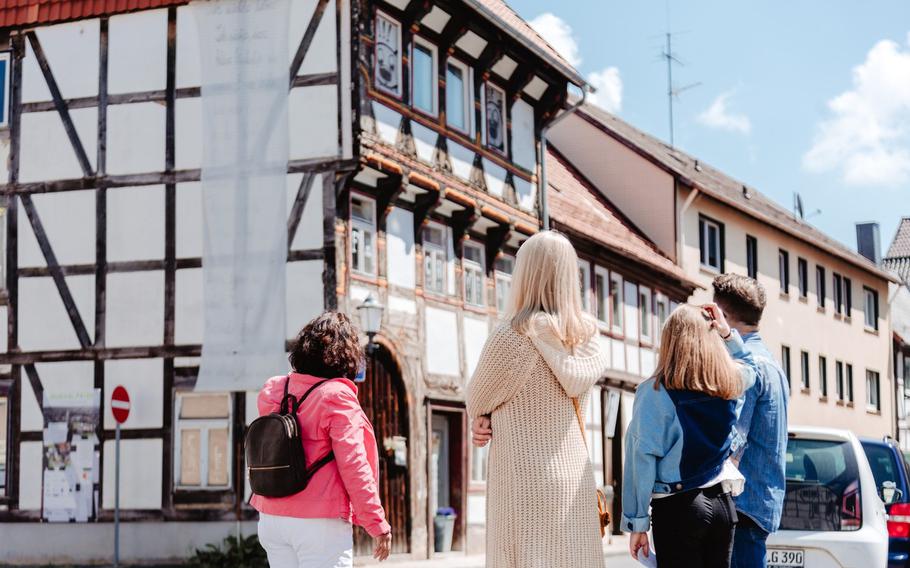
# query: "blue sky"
810,96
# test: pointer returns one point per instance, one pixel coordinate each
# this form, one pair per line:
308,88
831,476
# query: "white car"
833,515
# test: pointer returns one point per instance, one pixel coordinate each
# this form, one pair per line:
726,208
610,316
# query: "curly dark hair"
328,347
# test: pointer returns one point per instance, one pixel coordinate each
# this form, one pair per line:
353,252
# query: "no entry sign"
120,404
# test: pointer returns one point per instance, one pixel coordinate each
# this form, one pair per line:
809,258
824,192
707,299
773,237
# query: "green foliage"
232,553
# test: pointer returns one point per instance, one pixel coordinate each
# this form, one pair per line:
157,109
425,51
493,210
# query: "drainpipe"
542,181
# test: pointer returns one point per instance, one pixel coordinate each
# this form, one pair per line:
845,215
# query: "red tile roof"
20,13
501,13
722,187
577,205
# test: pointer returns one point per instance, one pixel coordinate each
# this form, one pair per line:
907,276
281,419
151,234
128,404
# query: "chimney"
868,242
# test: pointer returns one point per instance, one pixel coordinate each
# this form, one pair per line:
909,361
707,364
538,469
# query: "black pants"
694,529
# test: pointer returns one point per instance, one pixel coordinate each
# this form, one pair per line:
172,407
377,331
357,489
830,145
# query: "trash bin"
444,529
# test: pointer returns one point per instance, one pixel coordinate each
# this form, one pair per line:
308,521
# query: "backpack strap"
295,403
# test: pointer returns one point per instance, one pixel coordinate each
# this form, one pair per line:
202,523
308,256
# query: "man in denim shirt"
761,441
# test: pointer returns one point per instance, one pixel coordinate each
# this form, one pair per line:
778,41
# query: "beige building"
826,318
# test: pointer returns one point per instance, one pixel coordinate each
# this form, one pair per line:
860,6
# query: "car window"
883,463
823,491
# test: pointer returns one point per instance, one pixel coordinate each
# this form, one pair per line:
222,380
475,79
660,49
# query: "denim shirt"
761,442
677,440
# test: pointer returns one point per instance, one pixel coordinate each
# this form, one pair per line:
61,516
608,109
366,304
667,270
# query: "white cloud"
558,34
609,89
867,137
719,116
607,81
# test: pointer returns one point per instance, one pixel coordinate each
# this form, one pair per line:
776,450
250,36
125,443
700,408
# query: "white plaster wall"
618,354
43,321
450,263
72,54
347,117
523,143
475,334
477,509
648,362
189,220
188,133
135,138
462,160
309,231
135,223
68,219
321,57
143,379
45,150
387,121
313,119
442,326
633,360
4,346
189,72
402,305
137,53
188,307
495,177
304,293
424,141
402,269
140,474
526,192
31,468
135,309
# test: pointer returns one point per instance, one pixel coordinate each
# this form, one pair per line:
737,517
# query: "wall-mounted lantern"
370,319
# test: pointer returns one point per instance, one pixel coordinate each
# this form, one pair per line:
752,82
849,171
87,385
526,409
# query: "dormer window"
423,77
387,72
494,117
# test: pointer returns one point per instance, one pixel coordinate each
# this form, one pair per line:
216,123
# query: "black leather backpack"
274,451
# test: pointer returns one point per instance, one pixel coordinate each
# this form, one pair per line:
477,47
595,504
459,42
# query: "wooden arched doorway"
384,401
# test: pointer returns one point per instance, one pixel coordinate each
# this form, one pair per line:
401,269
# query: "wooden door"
383,399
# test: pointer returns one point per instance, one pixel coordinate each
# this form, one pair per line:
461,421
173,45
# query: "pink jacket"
330,419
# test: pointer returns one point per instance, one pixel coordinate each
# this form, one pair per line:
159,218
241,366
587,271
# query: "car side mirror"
890,492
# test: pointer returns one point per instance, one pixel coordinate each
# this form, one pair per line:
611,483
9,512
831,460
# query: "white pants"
290,542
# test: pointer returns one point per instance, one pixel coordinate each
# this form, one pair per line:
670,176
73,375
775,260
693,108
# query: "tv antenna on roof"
673,91
799,209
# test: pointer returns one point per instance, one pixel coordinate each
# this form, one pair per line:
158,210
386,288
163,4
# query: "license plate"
785,558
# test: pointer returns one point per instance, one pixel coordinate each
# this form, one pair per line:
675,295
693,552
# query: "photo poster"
71,421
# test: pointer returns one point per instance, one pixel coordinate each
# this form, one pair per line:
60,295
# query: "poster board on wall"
71,456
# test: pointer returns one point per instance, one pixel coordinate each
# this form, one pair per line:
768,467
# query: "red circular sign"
120,404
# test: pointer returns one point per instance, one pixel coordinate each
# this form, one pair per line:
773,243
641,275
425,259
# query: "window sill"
873,412
871,331
474,308
840,403
804,299
709,270
848,320
785,296
364,277
823,399
850,404
838,316
821,309
805,391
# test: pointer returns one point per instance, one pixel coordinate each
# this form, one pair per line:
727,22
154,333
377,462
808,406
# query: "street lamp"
370,319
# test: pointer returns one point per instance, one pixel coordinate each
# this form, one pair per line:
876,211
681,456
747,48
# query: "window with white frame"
785,363
644,311
802,277
616,303
804,369
823,375
602,295
203,441
494,117
387,64
751,256
711,243
472,263
423,76
848,297
820,285
363,235
584,282
434,258
502,270
458,95
783,270
839,379
479,464
870,302
663,312
838,292
849,369
873,391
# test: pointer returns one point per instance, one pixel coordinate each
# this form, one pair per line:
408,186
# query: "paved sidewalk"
617,546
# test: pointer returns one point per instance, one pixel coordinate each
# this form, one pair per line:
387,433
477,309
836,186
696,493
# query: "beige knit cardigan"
541,503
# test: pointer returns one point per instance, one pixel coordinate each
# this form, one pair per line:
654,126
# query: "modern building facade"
826,318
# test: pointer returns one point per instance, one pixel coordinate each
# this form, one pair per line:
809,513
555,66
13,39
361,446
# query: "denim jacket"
678,440
761,444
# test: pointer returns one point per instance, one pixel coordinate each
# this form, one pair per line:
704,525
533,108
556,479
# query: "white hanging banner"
244,61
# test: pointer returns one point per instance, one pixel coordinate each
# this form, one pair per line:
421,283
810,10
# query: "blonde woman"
679,442
541,502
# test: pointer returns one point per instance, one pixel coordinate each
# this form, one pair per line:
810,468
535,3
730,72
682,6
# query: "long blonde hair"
693,356
546,281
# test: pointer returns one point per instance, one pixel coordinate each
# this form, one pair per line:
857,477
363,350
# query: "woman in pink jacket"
313,528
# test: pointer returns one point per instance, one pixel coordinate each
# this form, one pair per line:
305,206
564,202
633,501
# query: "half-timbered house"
414,130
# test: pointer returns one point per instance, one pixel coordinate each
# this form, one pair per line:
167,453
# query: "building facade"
826,318
897,261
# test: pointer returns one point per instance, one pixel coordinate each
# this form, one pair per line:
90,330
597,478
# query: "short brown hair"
741,297
328,347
